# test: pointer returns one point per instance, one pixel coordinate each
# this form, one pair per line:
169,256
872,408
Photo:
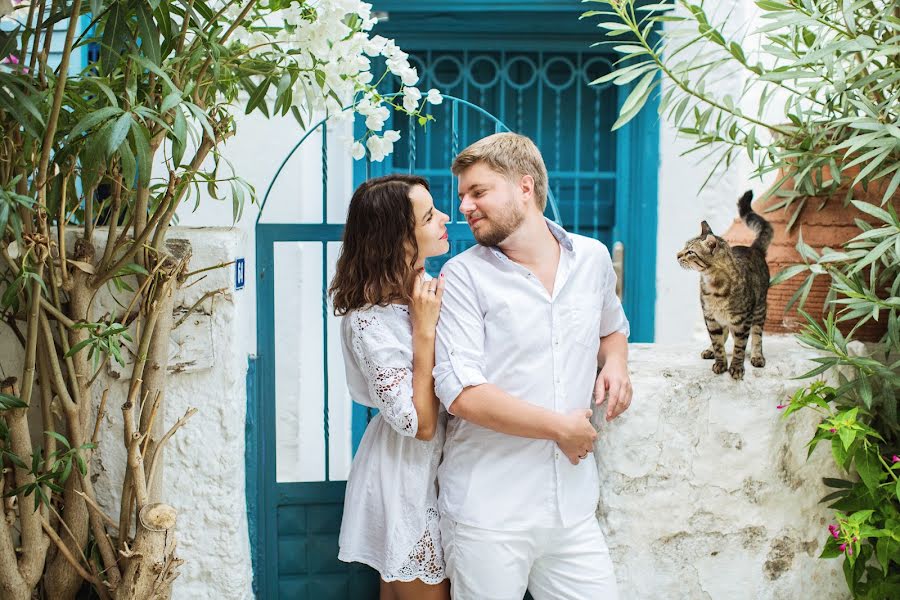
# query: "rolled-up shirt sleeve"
459,347
612,315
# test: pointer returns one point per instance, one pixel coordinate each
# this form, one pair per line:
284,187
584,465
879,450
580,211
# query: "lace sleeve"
388,374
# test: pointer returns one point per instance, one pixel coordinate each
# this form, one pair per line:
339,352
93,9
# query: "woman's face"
431,230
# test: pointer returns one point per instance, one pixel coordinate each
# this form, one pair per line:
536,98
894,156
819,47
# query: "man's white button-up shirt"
499,324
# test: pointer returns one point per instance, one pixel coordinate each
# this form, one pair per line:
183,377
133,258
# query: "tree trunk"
156,370
62,580
152,563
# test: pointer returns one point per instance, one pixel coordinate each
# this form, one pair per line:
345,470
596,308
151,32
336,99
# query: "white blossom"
375,120
411,97
434,97
328,44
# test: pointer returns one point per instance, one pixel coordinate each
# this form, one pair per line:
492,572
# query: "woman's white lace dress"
390,509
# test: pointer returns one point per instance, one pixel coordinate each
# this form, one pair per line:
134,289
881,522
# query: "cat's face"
699,252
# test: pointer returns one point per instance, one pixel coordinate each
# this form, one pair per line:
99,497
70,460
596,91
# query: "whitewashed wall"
705,491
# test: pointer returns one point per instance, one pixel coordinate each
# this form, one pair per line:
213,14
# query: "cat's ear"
705,228
711,242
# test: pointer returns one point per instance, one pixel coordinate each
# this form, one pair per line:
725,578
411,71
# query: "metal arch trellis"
498,127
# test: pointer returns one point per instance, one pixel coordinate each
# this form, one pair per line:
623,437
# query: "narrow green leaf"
148,32
118,133
92,119
114,31
62,440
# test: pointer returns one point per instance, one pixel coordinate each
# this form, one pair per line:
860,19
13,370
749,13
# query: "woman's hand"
425,306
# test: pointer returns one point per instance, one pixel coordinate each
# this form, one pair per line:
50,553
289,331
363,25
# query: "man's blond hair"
511,155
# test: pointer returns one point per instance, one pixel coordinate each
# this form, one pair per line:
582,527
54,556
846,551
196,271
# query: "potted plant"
819,108
95,165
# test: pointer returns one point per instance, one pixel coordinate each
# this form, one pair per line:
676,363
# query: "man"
528,315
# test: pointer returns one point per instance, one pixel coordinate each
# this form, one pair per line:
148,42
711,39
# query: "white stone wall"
203,474
706,493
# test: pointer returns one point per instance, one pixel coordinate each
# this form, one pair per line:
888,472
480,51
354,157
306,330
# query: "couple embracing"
477,478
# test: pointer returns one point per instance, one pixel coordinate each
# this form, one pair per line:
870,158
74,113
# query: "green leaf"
7,401
837,483
170,102
179,135
8,42
868,467
114,31
636,100
141,138
886,549
128,164
93,119
838,451
117,133
789,272
62,440
871,209
74,349
258,95
149,33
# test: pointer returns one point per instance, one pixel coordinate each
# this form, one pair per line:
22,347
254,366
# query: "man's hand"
575,435
613,378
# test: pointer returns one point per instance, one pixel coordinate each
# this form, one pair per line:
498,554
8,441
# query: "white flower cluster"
329,42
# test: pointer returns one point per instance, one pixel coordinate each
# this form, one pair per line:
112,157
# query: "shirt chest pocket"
582,324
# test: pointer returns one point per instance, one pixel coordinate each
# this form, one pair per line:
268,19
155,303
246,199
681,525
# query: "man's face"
492,205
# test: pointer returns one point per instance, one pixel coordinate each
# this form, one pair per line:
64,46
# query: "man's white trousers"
553,564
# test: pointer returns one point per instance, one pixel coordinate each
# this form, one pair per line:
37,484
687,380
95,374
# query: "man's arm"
489,406
613,354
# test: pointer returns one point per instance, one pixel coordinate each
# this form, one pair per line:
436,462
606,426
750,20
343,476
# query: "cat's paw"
736,371
708,354
758,361
719,367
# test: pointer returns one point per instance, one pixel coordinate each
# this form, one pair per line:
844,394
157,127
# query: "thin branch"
158,450
101,412
93,504
65,552
190,311
50,132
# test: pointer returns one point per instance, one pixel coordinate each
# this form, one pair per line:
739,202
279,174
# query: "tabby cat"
734,282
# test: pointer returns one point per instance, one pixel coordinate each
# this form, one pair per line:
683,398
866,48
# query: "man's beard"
501,227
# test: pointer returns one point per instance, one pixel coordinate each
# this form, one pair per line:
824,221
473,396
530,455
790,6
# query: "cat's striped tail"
755,222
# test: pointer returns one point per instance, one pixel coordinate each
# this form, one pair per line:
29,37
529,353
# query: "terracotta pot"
831,226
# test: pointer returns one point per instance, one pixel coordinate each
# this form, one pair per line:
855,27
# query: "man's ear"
526,184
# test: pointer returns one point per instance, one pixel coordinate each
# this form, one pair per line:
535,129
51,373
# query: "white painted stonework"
203,472
706,493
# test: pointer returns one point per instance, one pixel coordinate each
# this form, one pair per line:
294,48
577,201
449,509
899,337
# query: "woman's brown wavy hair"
373,267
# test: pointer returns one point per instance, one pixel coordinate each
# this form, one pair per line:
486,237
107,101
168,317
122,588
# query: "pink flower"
842,547
12,59
850,550
834,531
780,406
895,459
833,430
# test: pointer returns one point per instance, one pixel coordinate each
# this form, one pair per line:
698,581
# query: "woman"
390,310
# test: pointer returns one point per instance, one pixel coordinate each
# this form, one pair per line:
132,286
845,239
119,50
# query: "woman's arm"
424,398
425,309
